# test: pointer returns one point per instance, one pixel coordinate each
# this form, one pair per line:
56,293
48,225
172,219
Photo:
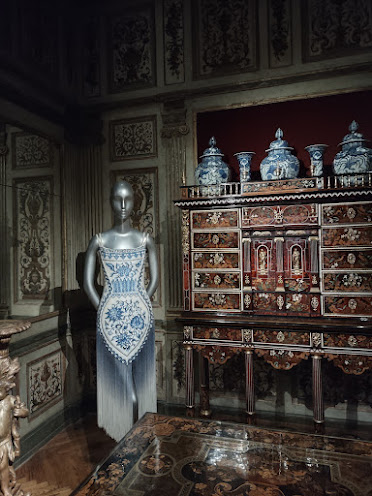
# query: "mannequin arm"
153,265
89,272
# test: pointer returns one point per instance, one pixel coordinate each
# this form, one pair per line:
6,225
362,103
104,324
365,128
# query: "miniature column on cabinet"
279,264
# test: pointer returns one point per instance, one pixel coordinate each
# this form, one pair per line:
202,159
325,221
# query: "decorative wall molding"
145,214
280,33
133,138
30,151
334,28
4,252
173,12
132,50
225,37
33,228
45,382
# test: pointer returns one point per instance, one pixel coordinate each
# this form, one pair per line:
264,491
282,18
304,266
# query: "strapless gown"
125,341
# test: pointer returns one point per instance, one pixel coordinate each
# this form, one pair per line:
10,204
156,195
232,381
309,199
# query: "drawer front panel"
213,240
215,260
216,280
260,284
295,215
347,259
215,219
348,306
264,302
347,341
348,282
282,337
220,333
347,236
355,213
216,301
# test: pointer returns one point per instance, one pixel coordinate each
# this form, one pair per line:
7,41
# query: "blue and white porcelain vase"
244,159
316,153
354,157
279,163
212,169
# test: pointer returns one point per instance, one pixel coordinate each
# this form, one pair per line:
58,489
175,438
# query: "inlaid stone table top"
174,456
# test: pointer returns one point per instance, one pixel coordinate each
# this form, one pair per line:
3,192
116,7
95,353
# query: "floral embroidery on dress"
125,314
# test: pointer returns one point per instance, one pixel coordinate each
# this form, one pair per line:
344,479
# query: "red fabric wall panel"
304,122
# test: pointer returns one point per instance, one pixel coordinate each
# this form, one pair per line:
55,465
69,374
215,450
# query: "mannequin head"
122,200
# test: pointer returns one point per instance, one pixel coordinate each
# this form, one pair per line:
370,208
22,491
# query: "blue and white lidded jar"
280,163
354,157
212,169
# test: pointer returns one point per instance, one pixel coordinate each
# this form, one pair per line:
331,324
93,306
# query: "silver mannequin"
120,236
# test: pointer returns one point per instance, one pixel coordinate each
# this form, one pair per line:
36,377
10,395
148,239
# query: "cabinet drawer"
216,302
348,306
355,282
291,215
347,236
216,280
215,219
347,213
286,304
347,341
215,260
223,240
281,337
220,333
347,259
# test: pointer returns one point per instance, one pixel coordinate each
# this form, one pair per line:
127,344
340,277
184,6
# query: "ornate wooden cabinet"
282,269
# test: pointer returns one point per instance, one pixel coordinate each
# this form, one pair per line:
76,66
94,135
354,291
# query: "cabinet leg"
190,391
317,390
249,383
205,410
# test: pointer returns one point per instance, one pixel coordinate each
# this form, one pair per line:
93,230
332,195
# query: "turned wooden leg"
317,390
190,391
204,386
249,383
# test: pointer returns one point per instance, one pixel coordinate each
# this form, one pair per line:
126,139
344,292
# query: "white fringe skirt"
119,384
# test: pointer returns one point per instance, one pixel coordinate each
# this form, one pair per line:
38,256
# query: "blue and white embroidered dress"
125,341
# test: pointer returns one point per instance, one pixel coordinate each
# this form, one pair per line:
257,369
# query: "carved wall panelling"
45,382
145,214
133,138
33,230
280,33
224,37
30,151
335,28
173,20
132,49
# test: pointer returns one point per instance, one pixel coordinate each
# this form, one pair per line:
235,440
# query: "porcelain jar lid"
279,143
212,151
353,136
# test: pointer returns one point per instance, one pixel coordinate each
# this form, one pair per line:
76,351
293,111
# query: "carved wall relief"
225,37
280,33
33,225
132,50
335,27
30,151
174,41
45,377
133,138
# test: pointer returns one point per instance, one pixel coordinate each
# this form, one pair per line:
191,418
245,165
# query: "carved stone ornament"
11,409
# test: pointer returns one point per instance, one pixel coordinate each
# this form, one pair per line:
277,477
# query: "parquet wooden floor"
69,457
